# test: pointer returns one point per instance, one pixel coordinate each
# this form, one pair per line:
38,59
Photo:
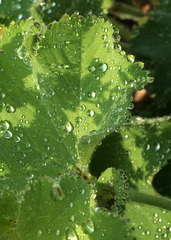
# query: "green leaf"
9,208
75,85
153,41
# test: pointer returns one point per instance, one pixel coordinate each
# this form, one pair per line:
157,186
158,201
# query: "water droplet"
130,58
104,37
8,134
17,139
10,109
90,113
4,125
22,53
68,127
157,148
88,227
103,67
91,94
91,69
83,107
57,232
78,120
39,233
71,218
70,234
96,60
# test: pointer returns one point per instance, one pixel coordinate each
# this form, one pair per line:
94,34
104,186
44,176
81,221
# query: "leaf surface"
140,151
65,209
74,85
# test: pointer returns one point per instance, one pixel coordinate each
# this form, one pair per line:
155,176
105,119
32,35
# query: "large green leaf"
75,85
154,41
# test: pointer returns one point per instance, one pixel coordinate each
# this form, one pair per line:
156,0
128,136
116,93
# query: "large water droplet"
88,227
103,67
70,234
10,109
68,127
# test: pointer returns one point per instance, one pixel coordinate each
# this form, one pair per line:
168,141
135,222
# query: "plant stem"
157,201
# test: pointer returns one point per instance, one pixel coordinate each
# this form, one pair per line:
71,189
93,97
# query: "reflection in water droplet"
88,227
8,134
10,109
103,67
70,234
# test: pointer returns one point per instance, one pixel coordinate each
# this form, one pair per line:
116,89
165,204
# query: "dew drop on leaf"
70,234
21,52
130,58
4,125
39,233
90,113
57,232
88,227
10,109
68,127
8,135
91,94
157,148
103,67
91,69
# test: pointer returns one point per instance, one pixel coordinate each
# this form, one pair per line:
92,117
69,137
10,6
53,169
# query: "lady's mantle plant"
64,87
